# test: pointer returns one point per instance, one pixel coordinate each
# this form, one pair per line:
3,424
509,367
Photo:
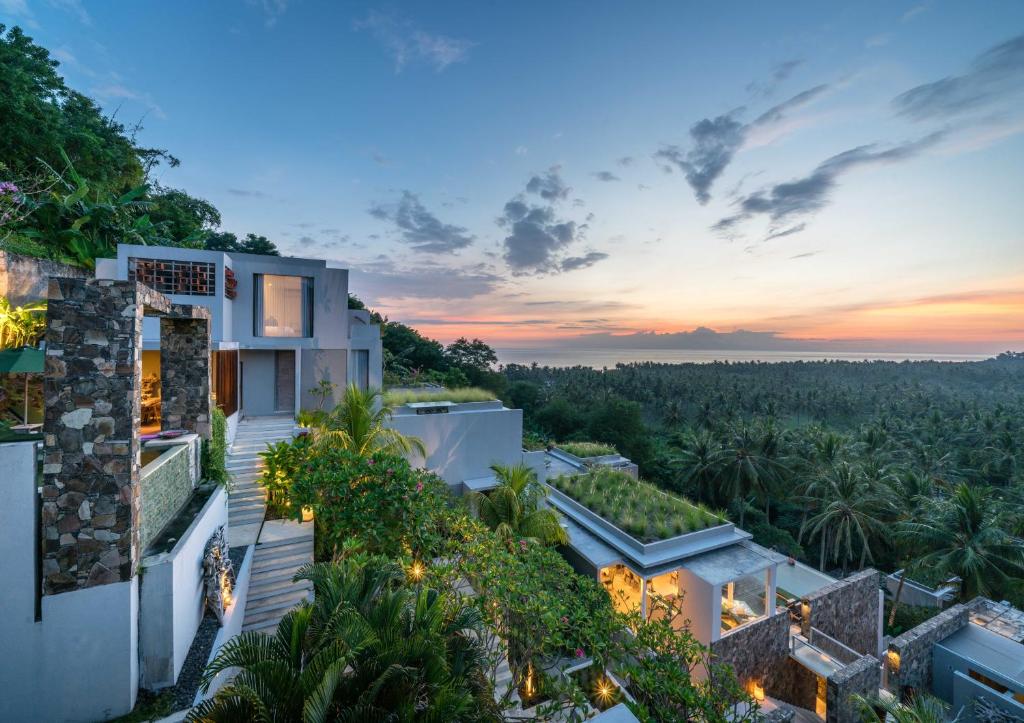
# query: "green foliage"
636,507
907,617
523,395
561,419
21,325
377,498
466,354
359,424
586,449
323,391
282,463
665,682
215,450
513,509
921,708
371,646
409,353
396,397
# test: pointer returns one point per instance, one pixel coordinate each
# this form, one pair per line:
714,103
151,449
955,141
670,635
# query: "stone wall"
848,610
91,510
794,684
185,372
861,678
24,279
164,490
909,659
757,651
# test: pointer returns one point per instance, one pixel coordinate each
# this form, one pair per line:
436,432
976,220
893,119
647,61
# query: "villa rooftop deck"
1003,619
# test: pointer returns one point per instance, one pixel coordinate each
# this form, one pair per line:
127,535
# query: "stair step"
282,543
281,593
268,627
280,577
274,612
301,549
293,562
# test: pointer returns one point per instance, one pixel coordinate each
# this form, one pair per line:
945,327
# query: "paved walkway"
247,504
284,547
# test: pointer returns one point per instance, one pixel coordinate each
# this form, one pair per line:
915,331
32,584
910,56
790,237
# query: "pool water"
148,455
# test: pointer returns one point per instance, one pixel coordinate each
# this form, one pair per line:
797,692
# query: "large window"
192,278
743,601
282,305
361,368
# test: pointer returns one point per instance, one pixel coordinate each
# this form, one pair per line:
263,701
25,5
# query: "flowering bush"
378,499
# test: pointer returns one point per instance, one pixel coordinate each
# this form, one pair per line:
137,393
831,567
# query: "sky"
567,173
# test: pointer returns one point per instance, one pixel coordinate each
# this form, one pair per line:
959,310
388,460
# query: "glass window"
361,368
282,306
743,600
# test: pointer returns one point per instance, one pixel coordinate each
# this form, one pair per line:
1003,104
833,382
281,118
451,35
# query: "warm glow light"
894,661
417,571
758,692
307,514
604,690
528,686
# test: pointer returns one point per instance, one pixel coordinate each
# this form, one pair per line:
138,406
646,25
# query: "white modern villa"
278,326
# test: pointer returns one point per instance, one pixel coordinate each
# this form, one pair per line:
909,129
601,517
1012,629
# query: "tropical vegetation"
636,507
586,449
514,510
397,397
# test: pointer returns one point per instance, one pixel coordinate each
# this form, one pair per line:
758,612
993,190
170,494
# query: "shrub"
397,397
282,462
378,499
215,450
587,449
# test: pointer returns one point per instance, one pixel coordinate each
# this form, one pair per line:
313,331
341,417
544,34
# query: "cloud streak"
408,44
420,228
811,193
716,140
991,77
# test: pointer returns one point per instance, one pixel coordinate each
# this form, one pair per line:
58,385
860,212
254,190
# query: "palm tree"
912,490
921,708
850,510
698,466
966,536
513,509
744,468
369,647
359,424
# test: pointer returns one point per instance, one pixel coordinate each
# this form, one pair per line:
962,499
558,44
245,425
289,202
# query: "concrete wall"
702,604
966,693
171,603
464,443
317,364
80,662
849,610
918,595
364,335
860,678
24,279
258,375
909,660
234,615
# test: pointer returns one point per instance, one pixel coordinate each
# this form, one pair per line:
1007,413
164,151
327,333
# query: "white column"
643,597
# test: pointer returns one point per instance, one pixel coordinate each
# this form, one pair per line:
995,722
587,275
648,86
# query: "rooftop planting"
587,449
635,507
397,397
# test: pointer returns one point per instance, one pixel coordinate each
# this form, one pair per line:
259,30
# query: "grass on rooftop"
397,397
636,507
587,449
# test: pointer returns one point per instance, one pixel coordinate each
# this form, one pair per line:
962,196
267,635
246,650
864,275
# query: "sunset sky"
525,172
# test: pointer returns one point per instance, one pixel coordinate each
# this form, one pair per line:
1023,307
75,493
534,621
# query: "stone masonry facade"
861,677
848,610
185,373
164,490
909,658
755,651
91,510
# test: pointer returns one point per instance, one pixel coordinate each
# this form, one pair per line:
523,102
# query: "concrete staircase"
277,558
247,503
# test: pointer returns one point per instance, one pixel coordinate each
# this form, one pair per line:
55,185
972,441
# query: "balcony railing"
821,653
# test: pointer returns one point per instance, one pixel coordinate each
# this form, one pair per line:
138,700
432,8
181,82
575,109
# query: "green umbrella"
26,360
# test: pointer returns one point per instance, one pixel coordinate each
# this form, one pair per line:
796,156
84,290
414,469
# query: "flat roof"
590,547
730,563
799,580
989,650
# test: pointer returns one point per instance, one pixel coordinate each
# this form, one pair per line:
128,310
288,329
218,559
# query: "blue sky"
527,171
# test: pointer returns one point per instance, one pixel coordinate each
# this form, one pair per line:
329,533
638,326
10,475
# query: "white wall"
464,443
258,375
80,662
171,597
702,605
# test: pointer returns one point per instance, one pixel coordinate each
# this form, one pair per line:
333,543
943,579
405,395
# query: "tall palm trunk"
896,599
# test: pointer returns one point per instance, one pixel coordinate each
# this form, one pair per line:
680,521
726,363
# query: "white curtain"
284,305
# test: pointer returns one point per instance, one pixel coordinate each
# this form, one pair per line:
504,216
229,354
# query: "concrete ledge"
233,618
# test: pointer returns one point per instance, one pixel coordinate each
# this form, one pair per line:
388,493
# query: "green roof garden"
397,397
587,449
638,508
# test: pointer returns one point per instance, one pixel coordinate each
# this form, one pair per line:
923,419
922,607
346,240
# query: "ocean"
598,358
